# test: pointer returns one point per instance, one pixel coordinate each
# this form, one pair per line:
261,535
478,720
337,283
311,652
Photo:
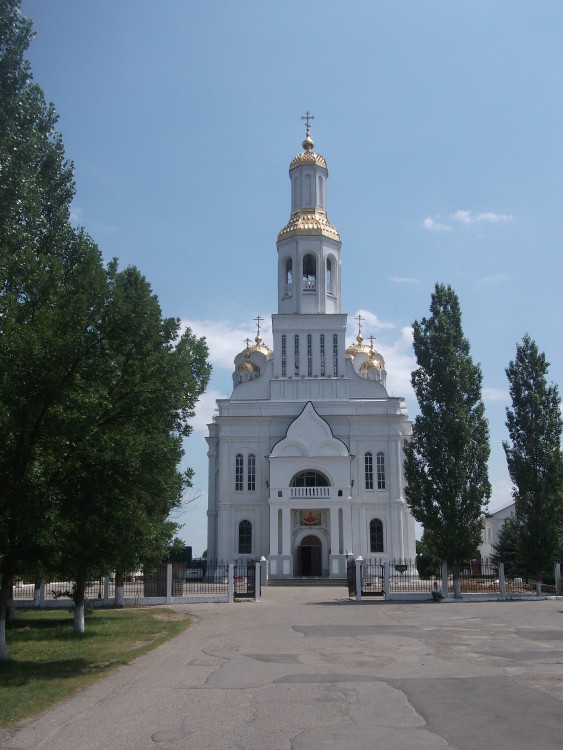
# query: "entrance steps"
308,581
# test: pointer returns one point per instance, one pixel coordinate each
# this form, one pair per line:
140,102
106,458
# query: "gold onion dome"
246,365
358,347
309,221
260,347
371,362
308,157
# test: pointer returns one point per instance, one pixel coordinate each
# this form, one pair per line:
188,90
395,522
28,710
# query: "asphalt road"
310,669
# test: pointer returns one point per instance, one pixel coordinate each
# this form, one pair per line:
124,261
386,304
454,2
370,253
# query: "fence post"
106,589
386,579
501,581
42,593
558,579
263,571
231,583
359,561
169,583
445,581
257,582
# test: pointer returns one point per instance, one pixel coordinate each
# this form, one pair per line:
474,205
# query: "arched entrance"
309,557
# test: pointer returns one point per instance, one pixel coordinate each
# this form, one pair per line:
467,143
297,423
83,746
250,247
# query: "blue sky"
442,126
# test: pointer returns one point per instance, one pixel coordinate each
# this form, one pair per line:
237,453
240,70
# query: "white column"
286,530
273,530
334,540
347,523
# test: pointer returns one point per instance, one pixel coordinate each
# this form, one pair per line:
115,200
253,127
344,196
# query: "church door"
309,562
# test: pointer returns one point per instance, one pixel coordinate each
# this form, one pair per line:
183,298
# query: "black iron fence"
245,579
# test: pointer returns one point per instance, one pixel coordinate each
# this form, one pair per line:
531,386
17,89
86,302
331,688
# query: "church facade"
305,457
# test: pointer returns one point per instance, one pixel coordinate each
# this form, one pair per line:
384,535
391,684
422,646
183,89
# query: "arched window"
245,538
289,277
251,473
368,470
309,479
380,471
239,472
309,273
284,355
328,276
375,535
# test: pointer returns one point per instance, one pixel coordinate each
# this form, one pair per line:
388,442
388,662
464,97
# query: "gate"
245,579
372,578
351,576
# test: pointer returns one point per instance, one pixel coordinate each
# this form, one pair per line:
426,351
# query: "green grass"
49,663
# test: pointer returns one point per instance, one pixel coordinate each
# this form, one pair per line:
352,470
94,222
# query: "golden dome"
354,349
260,347
309,221
247,365
371,363
308,158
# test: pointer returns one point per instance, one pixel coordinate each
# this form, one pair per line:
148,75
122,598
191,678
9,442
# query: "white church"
305,457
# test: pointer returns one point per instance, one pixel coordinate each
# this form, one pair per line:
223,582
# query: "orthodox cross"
359,319
371,339
307,117
247,342
258,320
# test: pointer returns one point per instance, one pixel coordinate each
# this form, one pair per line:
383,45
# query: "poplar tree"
534,458
445,466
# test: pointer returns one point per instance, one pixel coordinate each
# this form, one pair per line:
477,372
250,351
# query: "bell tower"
308,245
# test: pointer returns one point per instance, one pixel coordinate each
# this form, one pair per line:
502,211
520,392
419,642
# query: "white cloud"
399,364
495,394
204,410
496,278
475,217
434,224
76,215
370,324
404,280
226,339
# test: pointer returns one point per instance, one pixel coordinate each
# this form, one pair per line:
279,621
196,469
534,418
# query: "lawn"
49,663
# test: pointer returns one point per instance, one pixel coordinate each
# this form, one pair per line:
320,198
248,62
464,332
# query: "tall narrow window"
239,472
245,538
335,355
296,355
375,535
284,356
251,472
289,277
309,273
380,471
328,276
323,368
309,355
368,471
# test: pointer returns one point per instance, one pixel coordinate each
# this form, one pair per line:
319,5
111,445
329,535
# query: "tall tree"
534,458
445,465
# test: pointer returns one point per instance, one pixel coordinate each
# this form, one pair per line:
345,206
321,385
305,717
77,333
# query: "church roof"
308,158
309,221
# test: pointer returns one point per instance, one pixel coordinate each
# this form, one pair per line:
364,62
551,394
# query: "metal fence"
245,579
480,576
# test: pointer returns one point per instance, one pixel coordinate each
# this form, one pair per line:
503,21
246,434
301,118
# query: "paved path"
309,669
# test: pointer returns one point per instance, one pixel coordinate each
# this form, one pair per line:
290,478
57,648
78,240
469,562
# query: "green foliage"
534,457
427,564
446,458
506,548
96,387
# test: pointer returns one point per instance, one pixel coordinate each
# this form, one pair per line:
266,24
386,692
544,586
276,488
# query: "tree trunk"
5,593
538,585
78,596
10,608
119,600
457,581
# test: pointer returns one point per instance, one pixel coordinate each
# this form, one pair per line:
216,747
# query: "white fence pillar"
169,583
501,581
558,579
231,583
359,562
